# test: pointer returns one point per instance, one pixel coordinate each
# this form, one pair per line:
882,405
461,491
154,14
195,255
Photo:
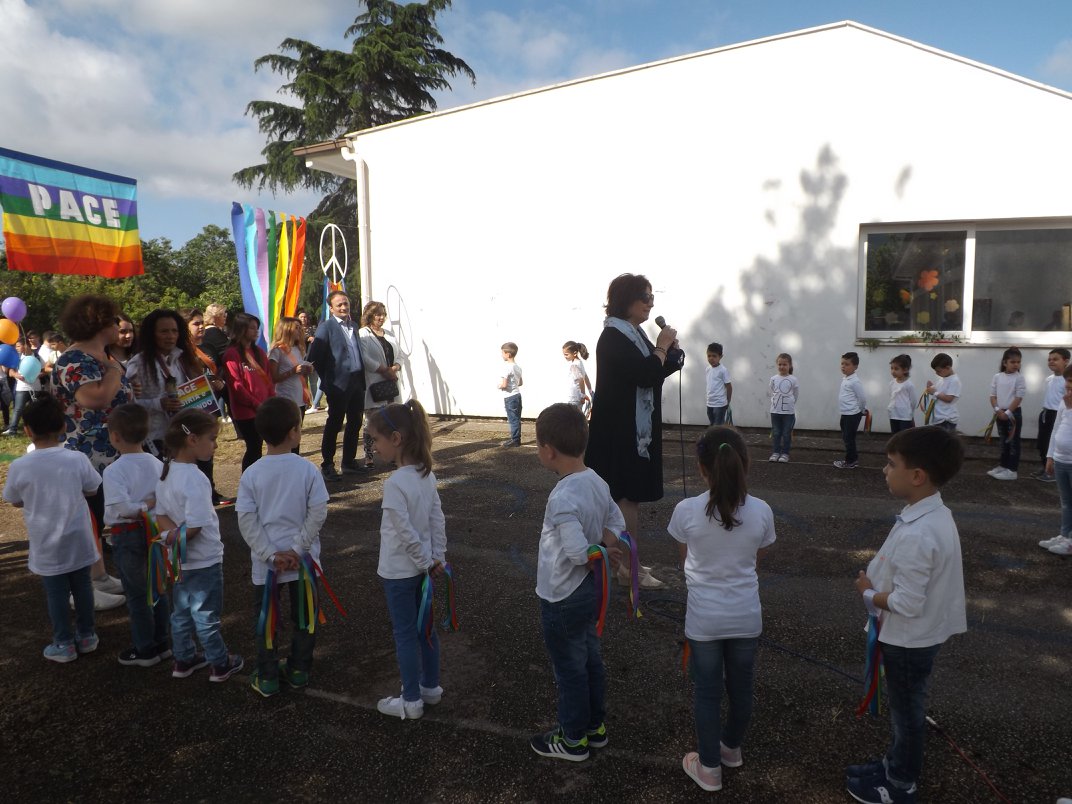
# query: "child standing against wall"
1057,362
914,587
784,392
1059,464
719,386
902,394
1007,391
945,392
50,485
851,404
510,383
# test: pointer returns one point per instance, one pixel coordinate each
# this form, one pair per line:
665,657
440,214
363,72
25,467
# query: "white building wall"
737,181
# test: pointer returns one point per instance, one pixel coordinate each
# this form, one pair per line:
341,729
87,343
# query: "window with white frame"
981,282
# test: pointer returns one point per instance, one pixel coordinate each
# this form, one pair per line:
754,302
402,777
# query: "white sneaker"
649,581
995,471
404,710
1046,544
1062,549
431,695
773,457
783,458
1005,474
102,601
108,584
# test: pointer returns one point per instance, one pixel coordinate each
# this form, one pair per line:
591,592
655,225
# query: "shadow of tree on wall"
780,296
442,402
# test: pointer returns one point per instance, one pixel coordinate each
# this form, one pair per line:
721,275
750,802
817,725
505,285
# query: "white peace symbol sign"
331,263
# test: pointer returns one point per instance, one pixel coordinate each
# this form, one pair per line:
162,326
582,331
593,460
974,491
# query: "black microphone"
675,355
660,322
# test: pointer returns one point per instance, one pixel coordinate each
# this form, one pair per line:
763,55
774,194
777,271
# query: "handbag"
384,390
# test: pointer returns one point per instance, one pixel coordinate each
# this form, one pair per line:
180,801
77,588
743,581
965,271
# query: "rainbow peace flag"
66,219
271,252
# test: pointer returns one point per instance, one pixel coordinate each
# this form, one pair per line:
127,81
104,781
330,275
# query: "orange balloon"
9,331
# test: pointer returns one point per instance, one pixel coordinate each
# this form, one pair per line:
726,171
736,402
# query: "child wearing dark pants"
851,404
579,514
282,504
1007,391
130,492
1057,361
914,588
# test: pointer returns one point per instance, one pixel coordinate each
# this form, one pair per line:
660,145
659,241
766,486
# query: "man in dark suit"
337,358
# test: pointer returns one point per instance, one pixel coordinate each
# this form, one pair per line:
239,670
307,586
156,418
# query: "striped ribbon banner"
66,219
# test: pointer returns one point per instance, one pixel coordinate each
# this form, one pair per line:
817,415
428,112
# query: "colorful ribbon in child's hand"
268,621
426,609
164,561
873,670
634,574
926,405
597,557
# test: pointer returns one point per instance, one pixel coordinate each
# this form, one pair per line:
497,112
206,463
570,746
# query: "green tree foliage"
203,271
395,64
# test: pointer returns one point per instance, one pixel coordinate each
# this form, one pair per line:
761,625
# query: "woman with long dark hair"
249,382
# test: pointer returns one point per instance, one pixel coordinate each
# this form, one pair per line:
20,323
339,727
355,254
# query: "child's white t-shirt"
22,385
291,387
1006,387
1061,441
784,393
718,377
574,394
902,400
511,372
578,509
946,411
51,484
280,490
720,567
185,496
413,531
1055,392
129,481
851,397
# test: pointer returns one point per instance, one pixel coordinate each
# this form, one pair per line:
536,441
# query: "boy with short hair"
945,392
719,385
282,504
852,402
1057,361
579,513
915,587
510,383
59,526
129,492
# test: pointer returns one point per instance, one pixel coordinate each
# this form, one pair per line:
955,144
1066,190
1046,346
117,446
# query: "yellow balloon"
9,331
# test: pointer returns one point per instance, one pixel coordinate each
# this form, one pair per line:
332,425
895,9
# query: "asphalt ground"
93,730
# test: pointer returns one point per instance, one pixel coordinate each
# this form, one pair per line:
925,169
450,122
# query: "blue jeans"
318,394
897,425
22,399
908,676
850,423
948,426
569,631
197,602
1063,473
717,415
782,425
513,415
735,659
57,590
301,642
1010,447
148,624
418,661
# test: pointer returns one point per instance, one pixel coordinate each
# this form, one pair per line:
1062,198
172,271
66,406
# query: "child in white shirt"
1057,361
282,504
510,382
413,545
902,394
784,392
721,534
579,514
946,392
184,502
1007,391
58,525
719,386
914,587
1059,464
852,402
579,387
129,492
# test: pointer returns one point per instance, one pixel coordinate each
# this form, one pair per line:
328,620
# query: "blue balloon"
29,368
9,358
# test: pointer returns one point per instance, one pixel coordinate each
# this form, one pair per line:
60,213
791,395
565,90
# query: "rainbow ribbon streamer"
597,555
164,563
927,407
872,671
268,622
867,421
634,575
426,611
319,572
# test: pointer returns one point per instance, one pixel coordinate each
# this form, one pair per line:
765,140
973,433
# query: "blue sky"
157,90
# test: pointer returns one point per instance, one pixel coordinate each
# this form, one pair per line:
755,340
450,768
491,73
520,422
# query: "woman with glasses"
625,434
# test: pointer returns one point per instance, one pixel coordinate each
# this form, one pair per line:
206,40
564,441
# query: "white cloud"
1057,67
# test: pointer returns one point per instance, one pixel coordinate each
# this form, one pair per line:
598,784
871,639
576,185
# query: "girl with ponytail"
721,534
